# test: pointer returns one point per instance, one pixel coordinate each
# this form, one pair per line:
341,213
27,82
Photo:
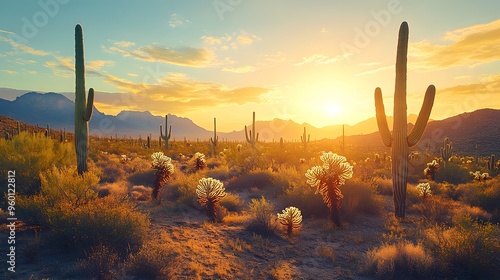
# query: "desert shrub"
383,186
118,189
482,194
28,156
453,173
220,173
141,193
99,263
157,258
263,219
263,180
399,261
232,202
112,172
468,250
182,188
359,198
435,209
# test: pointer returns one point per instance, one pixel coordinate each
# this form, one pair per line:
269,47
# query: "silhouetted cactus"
304,140
166,137
163,171
491,164
148,142
281,143
328,178
291,219
210,191
400,140
446,151
214,141
431,170
252,139
83,106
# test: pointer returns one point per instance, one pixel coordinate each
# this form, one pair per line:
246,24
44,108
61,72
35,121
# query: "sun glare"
331,109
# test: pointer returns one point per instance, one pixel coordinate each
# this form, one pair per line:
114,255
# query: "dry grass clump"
100,263
263,217
359,199
232,202
141,193
399,261
158,258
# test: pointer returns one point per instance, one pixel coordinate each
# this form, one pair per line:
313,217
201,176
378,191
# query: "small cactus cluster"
199,161
478,176
328,178
424,189
291,219
164,170
210,191
446,151
431,170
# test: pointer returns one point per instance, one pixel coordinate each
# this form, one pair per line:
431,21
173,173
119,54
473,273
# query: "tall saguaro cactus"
304,139
83,106
166,137
400,140
252,139
215,140
446,151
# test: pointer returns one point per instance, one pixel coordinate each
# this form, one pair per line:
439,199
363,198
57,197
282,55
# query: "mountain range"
481,127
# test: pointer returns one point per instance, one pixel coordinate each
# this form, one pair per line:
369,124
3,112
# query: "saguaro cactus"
400,141
18,125
83,106
215,140
166,137
304,140
252,139
446,151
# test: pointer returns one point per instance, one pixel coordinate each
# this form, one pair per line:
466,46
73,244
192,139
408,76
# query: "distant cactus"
424,189
210,191
478,176
18,125
304,140
290,218
476,156
400,140
328,178
431,170
83,106
164,170
199,161
252,139
214,141
166,137
446,151
281,143
491,164
148,142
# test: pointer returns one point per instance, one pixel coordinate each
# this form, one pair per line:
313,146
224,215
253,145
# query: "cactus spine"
400,141
83,106
446,151
304,140
252,139
215,140
165,137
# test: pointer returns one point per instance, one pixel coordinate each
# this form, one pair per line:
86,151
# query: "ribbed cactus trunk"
83,107
252,139
400,141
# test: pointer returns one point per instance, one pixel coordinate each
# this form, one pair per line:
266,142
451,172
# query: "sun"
331,109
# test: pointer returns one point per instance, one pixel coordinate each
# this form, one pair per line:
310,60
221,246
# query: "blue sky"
311,61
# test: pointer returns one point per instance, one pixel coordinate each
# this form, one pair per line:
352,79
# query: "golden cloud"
21,47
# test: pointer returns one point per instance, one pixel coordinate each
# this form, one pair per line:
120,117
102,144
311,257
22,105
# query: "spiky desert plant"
199,161
446,151
478,176
290,218
210,191
424,189
431,170
252,138
163,172
148,142
304,140
400,140
328,178
165,137
83,105
214,141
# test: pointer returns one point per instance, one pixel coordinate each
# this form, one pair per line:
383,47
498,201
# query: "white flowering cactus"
199,161
478,176
210,191
164,170
431,170
424,189
290,218
328,178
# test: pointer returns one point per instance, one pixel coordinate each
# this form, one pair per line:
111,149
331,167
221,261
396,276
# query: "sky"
315,62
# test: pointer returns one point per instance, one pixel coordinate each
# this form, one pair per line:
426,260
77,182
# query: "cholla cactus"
291,218
164,170
199,161
210,191
238,147
328,178
431,170
478,176
424,189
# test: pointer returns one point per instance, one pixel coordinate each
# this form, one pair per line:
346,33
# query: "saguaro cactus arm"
383,127
252,139
423,117
90,103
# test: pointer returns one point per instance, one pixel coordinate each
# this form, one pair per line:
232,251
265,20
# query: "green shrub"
265,181
453,173
232,202
399,261
468,250
482,194
29,155
263,216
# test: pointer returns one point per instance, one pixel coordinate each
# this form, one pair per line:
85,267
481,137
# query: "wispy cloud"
21,47
242,69
231,41
65,66
469,46
319,59
177,21
123,44
185,56
376,70
181,94
10,72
